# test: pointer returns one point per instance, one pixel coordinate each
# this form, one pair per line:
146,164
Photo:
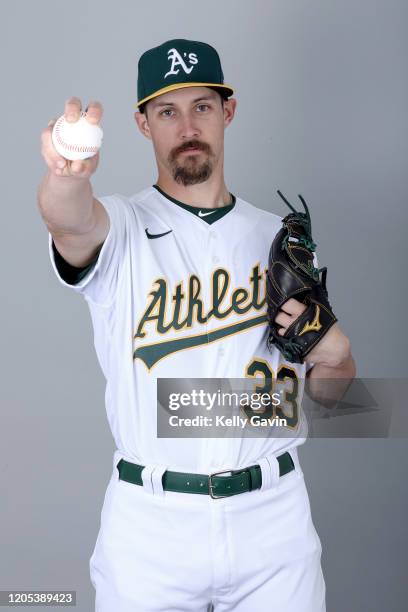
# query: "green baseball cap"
176,64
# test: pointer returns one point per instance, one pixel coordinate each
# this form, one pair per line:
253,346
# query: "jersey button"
216,259
221,351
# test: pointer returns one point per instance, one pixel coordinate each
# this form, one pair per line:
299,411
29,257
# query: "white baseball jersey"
172,296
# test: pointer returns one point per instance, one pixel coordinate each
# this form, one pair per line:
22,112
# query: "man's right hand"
58,165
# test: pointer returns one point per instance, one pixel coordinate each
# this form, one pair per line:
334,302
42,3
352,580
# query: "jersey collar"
209,215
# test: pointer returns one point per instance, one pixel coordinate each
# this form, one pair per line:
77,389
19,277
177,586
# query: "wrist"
333,350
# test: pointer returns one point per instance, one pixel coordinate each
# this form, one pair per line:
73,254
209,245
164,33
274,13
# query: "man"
174,277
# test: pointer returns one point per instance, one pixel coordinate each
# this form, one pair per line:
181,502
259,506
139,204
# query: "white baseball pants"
161,551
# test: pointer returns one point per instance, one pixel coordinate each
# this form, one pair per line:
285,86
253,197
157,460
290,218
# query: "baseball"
78,140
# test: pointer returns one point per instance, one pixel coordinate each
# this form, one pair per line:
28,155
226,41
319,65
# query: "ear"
142,124
229,110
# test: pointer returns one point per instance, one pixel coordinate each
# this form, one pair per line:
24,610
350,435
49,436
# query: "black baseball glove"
292,274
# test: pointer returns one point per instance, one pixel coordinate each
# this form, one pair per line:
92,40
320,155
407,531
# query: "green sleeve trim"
72,274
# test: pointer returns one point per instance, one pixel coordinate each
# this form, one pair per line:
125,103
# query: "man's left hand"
332,350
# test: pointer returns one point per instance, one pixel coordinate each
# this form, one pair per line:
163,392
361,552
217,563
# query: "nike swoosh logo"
151,236
201,214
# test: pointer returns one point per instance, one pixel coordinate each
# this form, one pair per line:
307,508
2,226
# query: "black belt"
240,481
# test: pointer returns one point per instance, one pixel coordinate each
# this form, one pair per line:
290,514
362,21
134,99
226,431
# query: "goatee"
192,171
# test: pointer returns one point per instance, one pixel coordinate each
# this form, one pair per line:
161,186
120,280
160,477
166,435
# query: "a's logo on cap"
177,60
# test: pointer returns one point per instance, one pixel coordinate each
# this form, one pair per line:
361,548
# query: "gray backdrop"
322,97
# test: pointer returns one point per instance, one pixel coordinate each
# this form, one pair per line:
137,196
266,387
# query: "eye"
166,110
201,105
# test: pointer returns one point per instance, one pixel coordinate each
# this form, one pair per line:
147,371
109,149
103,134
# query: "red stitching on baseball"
77,148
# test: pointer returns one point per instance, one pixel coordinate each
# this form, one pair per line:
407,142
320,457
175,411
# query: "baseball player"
174,277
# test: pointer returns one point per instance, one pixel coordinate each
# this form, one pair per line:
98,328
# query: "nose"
188,127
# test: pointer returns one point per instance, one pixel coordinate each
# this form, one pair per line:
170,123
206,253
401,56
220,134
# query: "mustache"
196,144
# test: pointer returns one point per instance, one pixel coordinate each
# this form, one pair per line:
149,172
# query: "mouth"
192,150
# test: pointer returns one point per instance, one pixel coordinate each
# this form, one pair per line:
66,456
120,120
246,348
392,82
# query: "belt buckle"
211,486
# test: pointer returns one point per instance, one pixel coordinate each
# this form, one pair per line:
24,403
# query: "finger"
283,319
76,166
71,168
293,307
72,109
93,112
82,167
46,132
51,156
